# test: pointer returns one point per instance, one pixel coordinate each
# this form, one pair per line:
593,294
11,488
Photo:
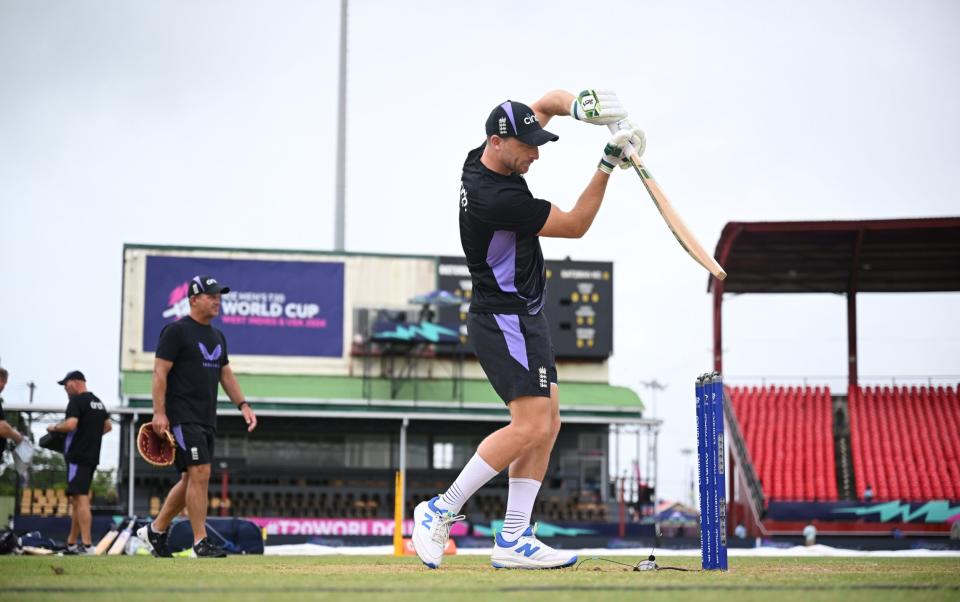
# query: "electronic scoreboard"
579,305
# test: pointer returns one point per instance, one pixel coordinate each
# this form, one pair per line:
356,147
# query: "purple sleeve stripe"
510,326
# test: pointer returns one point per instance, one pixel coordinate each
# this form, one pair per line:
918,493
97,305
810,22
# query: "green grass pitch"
364,578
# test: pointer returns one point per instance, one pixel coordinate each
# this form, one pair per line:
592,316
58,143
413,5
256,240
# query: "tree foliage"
49,471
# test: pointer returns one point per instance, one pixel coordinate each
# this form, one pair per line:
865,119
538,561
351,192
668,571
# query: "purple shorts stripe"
502,259
71,472
178,435
68,442
510,326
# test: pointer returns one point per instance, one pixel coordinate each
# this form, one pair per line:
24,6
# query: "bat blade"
670,215
108,538
121,542
676,225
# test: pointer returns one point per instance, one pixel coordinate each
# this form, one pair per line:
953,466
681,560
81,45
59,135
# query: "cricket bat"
670,215
121,542
104,544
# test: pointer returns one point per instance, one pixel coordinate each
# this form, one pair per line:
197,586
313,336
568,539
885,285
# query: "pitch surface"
368,578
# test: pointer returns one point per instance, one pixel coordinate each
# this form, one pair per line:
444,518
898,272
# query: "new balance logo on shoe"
527,550
431,532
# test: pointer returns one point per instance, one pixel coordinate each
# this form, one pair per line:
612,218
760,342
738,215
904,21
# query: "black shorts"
515,352
79,478
194,445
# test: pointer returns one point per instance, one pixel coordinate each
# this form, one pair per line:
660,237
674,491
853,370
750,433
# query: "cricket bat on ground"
104,544
670,215
121,542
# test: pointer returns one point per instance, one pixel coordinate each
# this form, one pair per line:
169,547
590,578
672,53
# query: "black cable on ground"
650,564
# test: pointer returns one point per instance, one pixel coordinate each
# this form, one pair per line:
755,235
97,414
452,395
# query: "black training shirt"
198,352
82,445
3,440
499,221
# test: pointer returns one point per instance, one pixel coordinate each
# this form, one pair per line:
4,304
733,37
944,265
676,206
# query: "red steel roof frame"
840,257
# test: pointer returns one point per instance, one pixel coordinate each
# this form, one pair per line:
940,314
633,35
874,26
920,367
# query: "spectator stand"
797,435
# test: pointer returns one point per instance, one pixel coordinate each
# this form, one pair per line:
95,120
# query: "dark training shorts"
515,353
194,445
79,478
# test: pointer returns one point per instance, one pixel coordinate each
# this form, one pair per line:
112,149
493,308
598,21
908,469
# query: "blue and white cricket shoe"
431,530
528,552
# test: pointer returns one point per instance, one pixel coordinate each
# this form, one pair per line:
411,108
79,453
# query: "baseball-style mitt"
158,450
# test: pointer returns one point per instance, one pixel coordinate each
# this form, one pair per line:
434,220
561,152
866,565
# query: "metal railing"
838,382
745,462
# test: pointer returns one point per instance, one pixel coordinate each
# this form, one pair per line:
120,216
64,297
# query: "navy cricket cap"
519,121
72,375
207,284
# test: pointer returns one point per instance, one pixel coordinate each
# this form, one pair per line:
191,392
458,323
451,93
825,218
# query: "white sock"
473,476
523,492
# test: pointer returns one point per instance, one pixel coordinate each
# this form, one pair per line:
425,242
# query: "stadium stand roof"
343,397
840,257
877,256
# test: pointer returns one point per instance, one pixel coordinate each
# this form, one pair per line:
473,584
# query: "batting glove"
598,107
613,151
638,140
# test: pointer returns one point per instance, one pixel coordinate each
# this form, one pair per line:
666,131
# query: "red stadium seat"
789,433
904,442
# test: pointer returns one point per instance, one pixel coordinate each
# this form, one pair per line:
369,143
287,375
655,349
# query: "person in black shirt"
86,423
23,448
6,430
500,225
191,362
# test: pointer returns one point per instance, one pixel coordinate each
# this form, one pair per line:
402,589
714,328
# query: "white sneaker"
431,530
528,552
78,549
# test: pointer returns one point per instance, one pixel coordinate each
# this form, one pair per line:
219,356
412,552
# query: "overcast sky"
214,123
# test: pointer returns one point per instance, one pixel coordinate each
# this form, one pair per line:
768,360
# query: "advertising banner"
933,511
286,308
339,526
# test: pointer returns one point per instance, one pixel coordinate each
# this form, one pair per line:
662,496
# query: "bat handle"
628,150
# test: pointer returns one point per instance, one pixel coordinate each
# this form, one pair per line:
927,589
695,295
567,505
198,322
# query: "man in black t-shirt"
6,430
86,423
23,448
191,362
500,226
